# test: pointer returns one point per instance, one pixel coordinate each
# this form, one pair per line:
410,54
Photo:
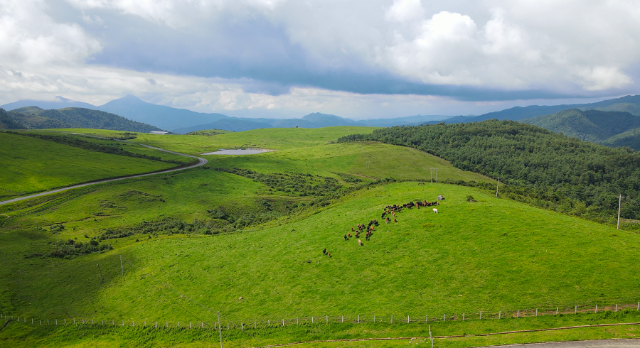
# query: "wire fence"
326,319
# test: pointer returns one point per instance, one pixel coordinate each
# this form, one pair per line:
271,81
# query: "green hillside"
590,125
631,108
33,117
34,165
487,255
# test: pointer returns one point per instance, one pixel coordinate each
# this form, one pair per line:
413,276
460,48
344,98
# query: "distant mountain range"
184,121
630,103
33,117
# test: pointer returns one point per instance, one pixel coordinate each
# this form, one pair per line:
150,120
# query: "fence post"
56,322
557,310
426,319
358,318
374,318
616,307
408,319
480,315
242,326
327,319
500,315
297,323
518,314
343,318
596,308
282,322
156,324
576,309
311,320
31,321
536,312
462,316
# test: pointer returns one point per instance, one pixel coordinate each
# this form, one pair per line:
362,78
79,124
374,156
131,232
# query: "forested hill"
524,155
7,122
32,117
594,125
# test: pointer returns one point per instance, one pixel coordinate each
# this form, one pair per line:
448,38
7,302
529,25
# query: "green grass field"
272,138
491,255
34,165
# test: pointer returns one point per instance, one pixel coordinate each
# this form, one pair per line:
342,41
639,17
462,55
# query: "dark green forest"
610,128
32,117
538,166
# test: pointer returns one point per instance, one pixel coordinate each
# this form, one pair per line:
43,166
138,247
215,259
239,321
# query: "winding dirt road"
201,162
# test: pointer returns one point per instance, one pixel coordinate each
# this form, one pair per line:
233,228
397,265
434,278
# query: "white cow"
435,210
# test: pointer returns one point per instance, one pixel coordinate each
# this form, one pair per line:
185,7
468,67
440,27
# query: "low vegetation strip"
87,145
590,176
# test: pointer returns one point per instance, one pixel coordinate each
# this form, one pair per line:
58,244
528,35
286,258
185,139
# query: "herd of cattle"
389,211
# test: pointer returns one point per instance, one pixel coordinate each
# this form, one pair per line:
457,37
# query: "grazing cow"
324,251
435,210
387,220
440,197
351,229
349,234
359,242
329,254
395,220
345,237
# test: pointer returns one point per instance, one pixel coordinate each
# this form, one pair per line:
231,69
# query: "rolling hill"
596,126
32,117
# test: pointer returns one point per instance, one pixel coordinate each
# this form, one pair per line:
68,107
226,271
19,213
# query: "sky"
354,58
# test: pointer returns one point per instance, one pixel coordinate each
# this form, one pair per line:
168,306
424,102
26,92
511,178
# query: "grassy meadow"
34,165
272,138
489,255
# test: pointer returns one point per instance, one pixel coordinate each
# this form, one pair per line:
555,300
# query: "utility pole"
432,174
619,206
497,187
220,330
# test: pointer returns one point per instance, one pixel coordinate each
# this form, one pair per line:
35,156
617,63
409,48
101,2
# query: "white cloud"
29,37
569,46
405,10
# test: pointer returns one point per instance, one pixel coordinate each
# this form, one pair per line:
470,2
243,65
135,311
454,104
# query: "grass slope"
33,165
489,255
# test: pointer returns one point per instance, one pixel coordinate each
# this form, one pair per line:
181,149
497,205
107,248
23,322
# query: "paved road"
630,343
201,162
